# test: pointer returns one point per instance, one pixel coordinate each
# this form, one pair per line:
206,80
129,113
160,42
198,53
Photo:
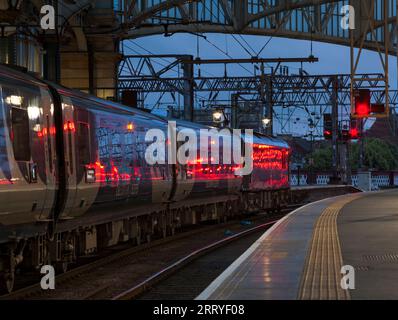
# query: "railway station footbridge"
318,20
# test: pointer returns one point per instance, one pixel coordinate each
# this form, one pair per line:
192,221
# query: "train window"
20,134
83,143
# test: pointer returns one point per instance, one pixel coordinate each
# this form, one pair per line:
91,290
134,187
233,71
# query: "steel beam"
319,20
252,60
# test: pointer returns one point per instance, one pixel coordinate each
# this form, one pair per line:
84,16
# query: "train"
74,177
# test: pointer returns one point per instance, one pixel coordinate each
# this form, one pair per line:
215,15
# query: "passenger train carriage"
74,179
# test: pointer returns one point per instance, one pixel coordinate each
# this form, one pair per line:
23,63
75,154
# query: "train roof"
192,125
107,103
21,74
260,138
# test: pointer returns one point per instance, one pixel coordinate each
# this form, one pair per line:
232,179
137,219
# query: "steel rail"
140,288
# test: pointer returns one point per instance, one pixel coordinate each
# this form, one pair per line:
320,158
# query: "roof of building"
385,129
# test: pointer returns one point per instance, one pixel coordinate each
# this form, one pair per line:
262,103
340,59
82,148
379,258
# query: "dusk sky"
332,58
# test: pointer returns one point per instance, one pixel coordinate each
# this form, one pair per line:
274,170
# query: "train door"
114,157
141,166
123,190
115,141
131,158
120,168
70,154
160,172
88,171
234,181
184,180
83,170
47,134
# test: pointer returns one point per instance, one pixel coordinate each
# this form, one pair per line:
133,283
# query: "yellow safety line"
321,278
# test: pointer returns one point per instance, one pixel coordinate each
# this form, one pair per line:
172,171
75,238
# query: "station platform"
301,257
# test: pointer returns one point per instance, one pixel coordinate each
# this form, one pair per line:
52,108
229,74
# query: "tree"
378,155
322,159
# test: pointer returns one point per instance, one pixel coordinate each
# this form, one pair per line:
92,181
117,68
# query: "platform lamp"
266,122
219,118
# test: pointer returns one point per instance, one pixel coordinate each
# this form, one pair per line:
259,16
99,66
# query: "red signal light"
362,109
354,133
327,126
362,103
327,134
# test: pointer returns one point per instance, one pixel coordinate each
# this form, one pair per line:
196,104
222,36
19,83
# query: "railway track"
129,273
171,282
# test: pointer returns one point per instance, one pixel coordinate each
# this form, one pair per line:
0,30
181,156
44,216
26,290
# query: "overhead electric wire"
244,48
264,46
270,38
251,48
154,61
165,60
151,53
207,40
159,63
258,54
211,13
148,51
